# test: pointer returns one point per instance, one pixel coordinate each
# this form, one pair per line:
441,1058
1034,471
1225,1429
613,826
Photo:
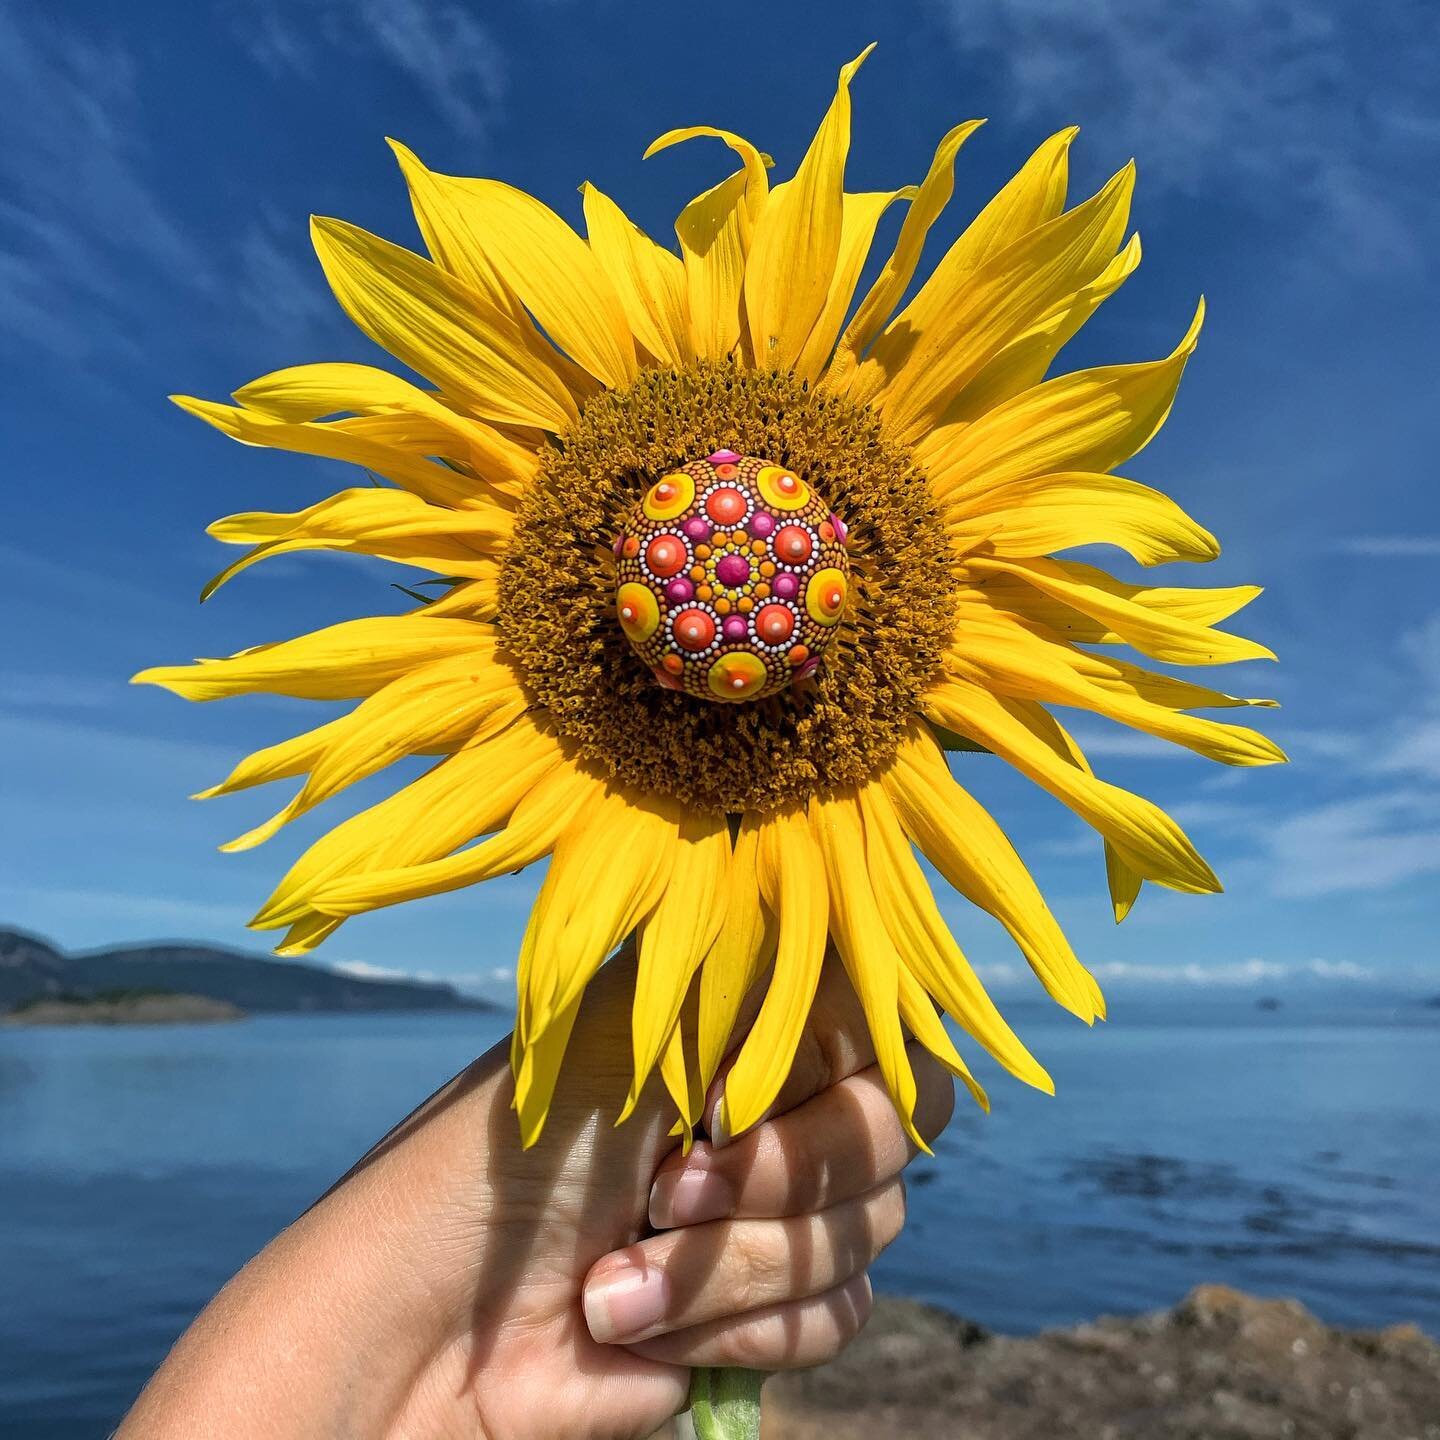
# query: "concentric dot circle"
782,489
670,496
694,630
666,555
639,612
825,596
738,675
556,617
730,548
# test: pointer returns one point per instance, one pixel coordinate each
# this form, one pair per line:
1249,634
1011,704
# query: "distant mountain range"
32,968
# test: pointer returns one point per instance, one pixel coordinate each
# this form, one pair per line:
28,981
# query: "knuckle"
759,1264
753,1346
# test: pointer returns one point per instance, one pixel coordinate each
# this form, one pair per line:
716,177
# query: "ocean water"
1294,1152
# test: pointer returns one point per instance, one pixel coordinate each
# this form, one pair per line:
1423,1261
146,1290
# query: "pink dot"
735,627
696,528
679,590
787,587
762,524
724,457
733,570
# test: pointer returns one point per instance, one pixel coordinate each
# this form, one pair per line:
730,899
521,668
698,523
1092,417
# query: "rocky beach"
1221,1365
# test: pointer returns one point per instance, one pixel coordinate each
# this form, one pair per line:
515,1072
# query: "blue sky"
158,172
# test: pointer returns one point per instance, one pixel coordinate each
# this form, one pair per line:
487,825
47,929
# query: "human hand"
454,1284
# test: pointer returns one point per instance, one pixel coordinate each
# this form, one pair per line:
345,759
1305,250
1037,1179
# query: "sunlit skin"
454,1284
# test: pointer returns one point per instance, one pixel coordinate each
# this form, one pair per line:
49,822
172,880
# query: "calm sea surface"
1290,1153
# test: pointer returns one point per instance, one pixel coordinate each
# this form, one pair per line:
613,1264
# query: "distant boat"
1267,1002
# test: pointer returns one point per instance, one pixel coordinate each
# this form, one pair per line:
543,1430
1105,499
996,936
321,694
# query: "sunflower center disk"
731,577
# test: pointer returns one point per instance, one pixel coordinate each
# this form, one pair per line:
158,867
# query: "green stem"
725,1404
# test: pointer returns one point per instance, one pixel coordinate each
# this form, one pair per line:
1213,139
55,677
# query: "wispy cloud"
1291,104
79,204
1420,547
451,58
1218,974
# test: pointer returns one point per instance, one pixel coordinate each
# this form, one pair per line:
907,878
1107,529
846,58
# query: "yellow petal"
739,955
442,328
390,524
632,843
918,1013
1199,604
432,710
756,162
473,600
278,762
865,948
535,255
1011,660
1058,512
796,242
1124,883
1091,420
421,477
859,217
892,282
711,231
1033,197
1168,637
538,1071
539,818
998,302
310,392
1144,836
676,935
792,881
958,836
1024,361
925,943
468,794
647,278
341,662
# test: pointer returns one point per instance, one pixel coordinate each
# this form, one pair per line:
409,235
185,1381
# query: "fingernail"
627,1304
688,1196
719,1132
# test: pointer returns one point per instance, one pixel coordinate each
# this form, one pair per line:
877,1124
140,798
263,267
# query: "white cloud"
1286,104
1223,973
450,57
158,910
1419,547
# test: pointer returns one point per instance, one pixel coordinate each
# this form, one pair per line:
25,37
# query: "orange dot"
762,591
798,655
793,543
697,572
725,506
745,604
758,547
631,548
665,556
702,552
726,471
723,605
703,592
767,568
775,624
694,630
827,531
674,664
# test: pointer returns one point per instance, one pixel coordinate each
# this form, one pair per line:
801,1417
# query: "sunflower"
723,564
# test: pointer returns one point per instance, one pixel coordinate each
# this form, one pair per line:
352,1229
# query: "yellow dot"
825,596
639,612
782,489
736,676
669,496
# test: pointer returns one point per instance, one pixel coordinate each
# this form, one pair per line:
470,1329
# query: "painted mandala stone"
731,578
